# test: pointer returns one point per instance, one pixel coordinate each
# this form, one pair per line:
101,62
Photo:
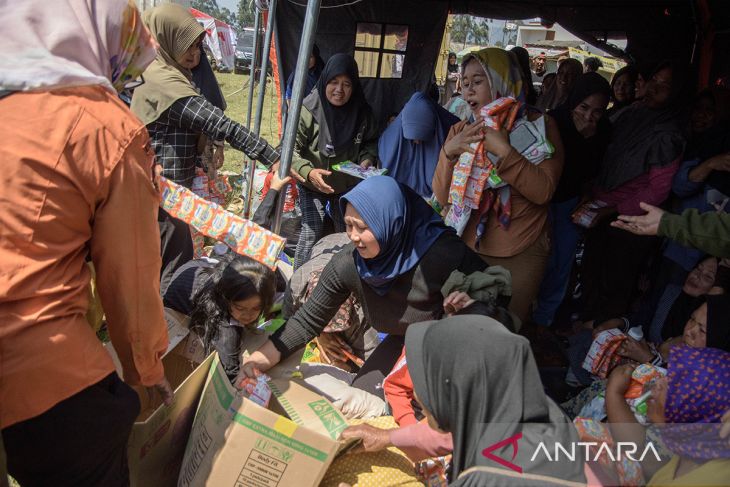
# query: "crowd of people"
588,236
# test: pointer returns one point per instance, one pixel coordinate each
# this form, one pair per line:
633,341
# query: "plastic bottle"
636,333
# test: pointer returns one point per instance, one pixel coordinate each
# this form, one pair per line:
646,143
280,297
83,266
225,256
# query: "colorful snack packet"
358,171
243,236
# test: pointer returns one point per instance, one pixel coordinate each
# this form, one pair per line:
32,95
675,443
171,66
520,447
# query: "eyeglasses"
135,83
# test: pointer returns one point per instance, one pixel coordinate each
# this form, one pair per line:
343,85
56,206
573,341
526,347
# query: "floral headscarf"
64,43
697,397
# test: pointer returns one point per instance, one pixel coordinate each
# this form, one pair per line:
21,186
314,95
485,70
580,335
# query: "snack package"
586,214
639,391
601,357
356,170
256,390
243,236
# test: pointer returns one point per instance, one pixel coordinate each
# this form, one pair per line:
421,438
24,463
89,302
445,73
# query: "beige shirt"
76,181
532,188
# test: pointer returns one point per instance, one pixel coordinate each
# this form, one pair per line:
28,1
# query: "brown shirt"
532,187
76,180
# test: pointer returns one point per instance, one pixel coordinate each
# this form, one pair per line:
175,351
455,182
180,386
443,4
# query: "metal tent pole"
264,67
309,29
248,163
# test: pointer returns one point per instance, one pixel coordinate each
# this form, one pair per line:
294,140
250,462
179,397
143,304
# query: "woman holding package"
179,118
336,125
510,226
401,255
409,148
585,131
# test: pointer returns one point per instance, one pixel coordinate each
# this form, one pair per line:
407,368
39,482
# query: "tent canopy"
373,31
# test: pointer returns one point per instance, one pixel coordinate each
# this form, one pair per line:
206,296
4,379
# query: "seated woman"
585,131
688,404
510,228
401,254
641,159
623,91
488,392
706,327
223,299
336,125
409,148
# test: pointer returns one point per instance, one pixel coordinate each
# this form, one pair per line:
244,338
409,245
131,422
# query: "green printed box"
238,443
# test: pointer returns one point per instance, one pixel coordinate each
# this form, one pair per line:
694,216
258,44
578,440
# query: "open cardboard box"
157,442
239,443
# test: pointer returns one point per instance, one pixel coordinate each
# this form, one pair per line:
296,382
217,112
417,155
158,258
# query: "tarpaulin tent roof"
654,29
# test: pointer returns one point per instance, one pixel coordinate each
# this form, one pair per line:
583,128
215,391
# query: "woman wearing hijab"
179,118
641,159
510,228
485,394
523,58
401,254
336,125
688,406
77,184
452,77
568,72
316,65
585,131
409,148
623,91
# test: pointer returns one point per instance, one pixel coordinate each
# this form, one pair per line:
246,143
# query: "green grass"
237,105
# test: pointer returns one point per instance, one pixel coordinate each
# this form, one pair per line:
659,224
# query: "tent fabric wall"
220,38
336,33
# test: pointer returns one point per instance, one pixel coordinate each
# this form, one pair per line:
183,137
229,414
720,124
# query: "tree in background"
468,29
211,8
245,17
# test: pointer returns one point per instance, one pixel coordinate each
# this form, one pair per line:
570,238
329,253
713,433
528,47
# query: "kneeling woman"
223,299
401,254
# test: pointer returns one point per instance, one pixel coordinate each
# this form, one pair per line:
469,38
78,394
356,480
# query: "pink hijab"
63,43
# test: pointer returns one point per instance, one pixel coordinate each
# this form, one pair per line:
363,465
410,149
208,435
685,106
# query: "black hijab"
452,68
645,137
679,314
204,78
523,59
582,155
338,126
481,383
718,322
630,71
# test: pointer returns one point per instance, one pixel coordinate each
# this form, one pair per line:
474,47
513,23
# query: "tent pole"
309,31
264,67
248,163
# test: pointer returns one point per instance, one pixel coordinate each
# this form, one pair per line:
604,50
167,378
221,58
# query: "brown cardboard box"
160,433
235,442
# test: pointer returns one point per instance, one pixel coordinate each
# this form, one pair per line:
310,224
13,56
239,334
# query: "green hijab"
165,80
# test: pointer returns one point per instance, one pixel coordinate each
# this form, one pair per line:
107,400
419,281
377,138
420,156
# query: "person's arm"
369,147
655,192
309,320
263,212
682,184
197,113
419,441
125,250
700,172
708,232
305,135
445,168
537,183
398,389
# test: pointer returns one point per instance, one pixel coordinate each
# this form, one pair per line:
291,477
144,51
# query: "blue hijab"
403,224
409,163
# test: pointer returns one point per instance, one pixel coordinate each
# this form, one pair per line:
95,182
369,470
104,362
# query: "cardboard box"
235,442
159,435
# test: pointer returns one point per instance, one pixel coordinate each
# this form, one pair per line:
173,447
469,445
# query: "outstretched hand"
647,224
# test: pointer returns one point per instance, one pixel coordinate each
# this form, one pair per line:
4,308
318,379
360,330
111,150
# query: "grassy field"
237,99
